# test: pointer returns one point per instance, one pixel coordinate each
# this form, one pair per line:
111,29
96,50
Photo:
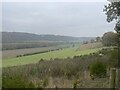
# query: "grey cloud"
71,19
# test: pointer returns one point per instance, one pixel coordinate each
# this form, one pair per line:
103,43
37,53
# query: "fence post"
112,77
118,78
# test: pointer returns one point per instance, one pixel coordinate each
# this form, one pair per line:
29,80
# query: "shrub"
114,58
98,69
16,82
45,82
41,60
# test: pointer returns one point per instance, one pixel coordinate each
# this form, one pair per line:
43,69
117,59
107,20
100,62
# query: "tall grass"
37,75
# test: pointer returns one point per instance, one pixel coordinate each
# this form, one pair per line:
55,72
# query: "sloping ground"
90,46
17,37
14,53
69,52
61,73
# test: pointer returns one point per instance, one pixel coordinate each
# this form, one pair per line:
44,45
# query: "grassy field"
32,44
68,52
90,46
16,52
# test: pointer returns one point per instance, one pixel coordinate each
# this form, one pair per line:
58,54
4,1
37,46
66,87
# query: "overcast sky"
60,18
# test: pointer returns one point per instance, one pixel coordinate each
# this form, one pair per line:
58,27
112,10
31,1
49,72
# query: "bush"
114,58
98,69
45,82
16,82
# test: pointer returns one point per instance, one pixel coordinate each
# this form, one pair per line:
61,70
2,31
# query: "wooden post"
112,77
118,78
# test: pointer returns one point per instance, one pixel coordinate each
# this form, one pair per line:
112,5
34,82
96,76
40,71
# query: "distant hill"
14,37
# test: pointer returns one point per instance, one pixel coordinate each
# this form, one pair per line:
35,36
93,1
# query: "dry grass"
82,82
90,46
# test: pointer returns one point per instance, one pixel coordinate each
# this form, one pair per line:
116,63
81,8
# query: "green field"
68,52
17,52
